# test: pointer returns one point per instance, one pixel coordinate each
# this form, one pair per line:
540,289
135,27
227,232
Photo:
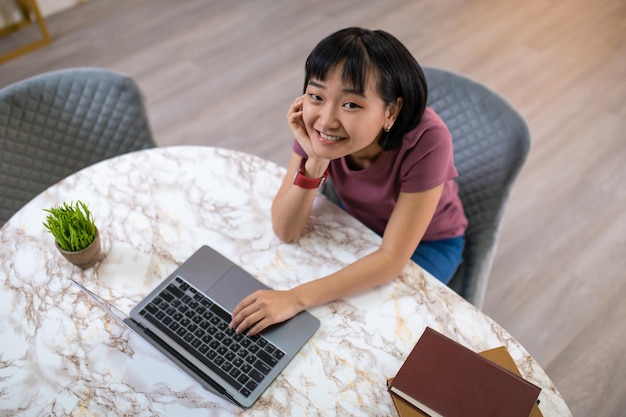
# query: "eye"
315,97
351,106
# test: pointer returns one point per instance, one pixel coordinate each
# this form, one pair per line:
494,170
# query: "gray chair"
57,123
491,142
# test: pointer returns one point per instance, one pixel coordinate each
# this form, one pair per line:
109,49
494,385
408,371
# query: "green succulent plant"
72,225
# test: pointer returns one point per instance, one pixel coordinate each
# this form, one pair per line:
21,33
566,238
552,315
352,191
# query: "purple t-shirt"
424,161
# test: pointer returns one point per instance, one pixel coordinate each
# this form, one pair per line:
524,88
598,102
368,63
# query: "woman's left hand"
263,308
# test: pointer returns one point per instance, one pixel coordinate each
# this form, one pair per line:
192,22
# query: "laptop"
186,318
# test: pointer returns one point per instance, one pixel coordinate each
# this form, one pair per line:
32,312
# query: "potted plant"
75,233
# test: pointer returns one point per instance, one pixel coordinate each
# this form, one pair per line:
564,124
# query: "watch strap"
305,182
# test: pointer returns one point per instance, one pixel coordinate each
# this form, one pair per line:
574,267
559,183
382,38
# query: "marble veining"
62,355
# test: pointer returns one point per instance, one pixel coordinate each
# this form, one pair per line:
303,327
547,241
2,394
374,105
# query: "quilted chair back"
57,123
491,142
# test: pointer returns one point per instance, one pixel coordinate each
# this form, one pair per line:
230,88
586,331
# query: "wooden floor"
223,73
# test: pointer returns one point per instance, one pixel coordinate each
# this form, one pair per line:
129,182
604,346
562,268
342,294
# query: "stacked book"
442,378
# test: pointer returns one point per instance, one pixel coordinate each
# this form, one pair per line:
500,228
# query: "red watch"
305,182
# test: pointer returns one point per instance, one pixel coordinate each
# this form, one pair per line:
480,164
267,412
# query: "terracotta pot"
84,258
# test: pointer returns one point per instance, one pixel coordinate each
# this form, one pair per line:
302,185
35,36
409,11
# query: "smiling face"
342,120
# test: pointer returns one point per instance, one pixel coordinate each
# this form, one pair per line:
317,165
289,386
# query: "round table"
61,354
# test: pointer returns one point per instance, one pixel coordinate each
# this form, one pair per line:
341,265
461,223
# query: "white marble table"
63,355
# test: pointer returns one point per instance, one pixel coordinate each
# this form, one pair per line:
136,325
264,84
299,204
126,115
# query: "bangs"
350,57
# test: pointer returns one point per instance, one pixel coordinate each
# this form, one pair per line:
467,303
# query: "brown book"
502,357
441,377
497,355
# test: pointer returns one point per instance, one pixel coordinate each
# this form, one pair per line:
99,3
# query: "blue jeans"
440,257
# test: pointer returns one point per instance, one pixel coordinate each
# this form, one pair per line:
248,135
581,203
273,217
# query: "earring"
387,129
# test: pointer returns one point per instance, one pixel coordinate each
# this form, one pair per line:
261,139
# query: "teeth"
332,138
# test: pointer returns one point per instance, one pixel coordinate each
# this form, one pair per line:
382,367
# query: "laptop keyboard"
191,319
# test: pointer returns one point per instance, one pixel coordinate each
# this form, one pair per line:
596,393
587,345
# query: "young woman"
363,123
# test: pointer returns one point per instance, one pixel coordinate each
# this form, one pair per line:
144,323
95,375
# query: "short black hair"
362,52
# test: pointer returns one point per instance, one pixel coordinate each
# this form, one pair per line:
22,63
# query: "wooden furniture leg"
30,12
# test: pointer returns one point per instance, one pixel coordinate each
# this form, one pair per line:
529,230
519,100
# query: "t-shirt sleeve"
298,149
430,162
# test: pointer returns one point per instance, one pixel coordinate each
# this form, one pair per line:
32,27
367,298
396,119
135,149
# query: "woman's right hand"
296,124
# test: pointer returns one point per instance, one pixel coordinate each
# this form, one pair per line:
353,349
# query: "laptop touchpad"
235,285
